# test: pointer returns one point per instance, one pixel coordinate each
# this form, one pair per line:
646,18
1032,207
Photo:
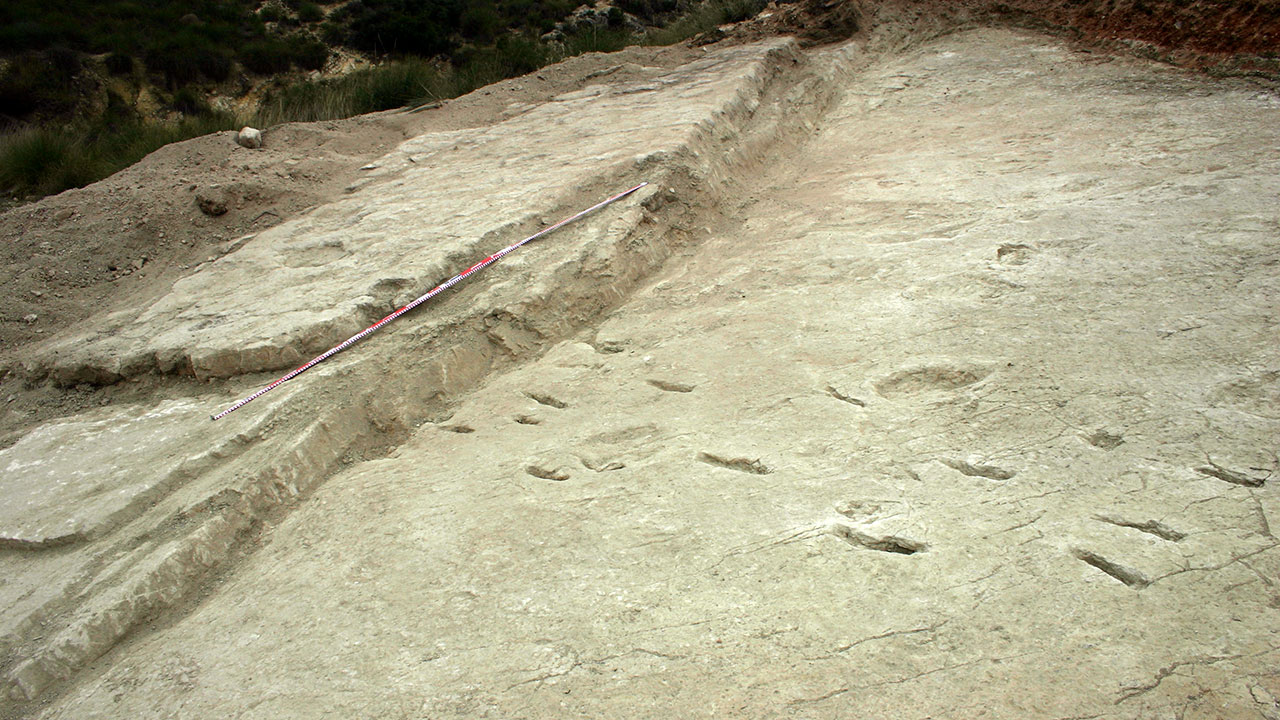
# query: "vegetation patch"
54,138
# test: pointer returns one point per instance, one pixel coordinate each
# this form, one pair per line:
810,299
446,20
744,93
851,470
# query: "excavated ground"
941,382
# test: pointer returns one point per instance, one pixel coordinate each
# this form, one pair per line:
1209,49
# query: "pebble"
28,319
212,203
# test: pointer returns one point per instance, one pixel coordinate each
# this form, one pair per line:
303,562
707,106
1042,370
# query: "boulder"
249,137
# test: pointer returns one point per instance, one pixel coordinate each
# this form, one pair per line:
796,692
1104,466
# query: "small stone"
28,319
137,264
212,203
37,293
249,137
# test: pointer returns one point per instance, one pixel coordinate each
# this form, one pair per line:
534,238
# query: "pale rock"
249,137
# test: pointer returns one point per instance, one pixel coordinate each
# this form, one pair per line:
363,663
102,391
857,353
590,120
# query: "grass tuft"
46,161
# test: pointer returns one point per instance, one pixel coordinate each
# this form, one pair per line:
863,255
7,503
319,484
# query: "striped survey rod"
434,291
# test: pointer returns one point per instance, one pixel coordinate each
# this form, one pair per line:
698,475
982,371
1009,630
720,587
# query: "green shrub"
510,56
266,56
27,35
387,86
308,53
648,10
189,102
402,27
702,18
34,83
309,12
271,13
597,40
739,10
119,64
29,159
44,161
480,23
187,56
333,33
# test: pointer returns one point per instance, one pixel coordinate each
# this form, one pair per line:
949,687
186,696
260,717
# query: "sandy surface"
941,382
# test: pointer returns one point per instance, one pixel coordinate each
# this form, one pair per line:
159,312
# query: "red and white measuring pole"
434,291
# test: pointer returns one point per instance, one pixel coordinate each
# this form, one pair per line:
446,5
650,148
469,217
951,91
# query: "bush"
402,27
45,161
333,33
119,64
189,102
703,18
309,12
30,159
27,35
510,56
738,10
271,13
308,53
648,10
266,57
387,86
480,23
185,57
32,84
597,40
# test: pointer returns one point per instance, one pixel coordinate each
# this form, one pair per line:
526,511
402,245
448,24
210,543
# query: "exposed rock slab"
963,413
161,517
304,285
68,480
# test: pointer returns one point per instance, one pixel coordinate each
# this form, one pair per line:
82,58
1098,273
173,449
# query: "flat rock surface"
342,266
965,407
65,480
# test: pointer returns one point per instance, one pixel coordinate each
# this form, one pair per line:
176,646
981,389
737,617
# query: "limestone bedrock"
965,405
